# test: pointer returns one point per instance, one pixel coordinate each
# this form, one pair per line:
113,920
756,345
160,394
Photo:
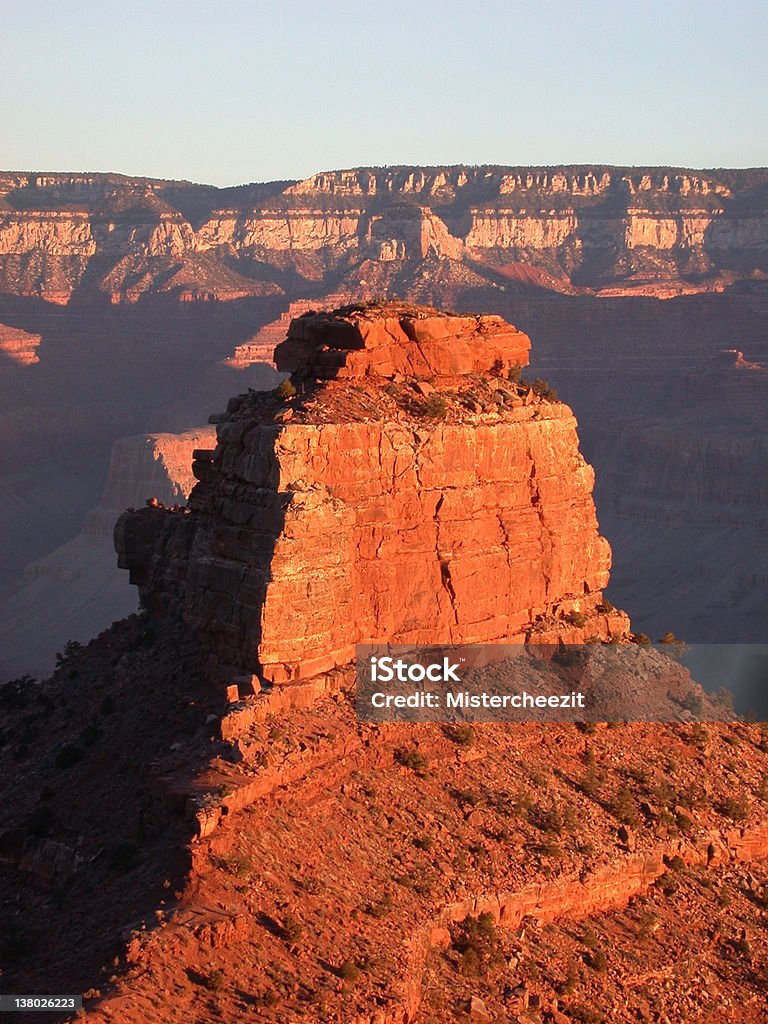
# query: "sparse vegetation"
214,980
734,807
286,390
693,702
412,759
476,942
293,929
435,407
71,648
514,373
463,735
623,806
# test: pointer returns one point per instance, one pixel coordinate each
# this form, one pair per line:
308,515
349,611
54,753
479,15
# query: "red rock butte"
359,341
405,488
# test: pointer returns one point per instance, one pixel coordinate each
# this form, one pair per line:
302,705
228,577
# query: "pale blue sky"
227,92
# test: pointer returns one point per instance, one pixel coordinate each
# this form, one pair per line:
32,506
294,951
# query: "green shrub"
598,961
412,759
477,942
71,648
693,702
734,807
286,390
623,806
214,980
293,929
724,698
382,908
463,735
435,407
591,783
588,728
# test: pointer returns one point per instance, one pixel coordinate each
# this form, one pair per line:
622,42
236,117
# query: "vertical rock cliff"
403,489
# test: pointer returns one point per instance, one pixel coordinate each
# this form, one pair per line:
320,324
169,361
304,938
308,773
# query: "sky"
229,92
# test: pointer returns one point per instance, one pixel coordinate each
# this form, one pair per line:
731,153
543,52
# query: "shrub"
724,698
476,940
598,961
543,390
640,638
699,735
590,783
412,759
693,702
588,728
514,373
589,937
435,407
584,1014
684,821
214,980
623,806
286,390
382,908
521,804
71,648
293,929
734,807
463,735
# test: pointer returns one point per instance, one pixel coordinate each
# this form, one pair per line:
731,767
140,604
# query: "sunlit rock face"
409,491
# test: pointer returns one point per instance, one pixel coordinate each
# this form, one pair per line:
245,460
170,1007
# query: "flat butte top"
396,340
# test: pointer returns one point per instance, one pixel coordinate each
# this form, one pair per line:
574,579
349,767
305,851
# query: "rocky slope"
316,869
409,493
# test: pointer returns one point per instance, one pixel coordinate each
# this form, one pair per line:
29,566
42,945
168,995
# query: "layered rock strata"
594,227
409,492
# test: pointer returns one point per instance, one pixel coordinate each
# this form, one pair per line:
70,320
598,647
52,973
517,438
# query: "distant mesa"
19,346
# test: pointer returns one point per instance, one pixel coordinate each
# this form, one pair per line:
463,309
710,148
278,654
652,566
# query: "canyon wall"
593,228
